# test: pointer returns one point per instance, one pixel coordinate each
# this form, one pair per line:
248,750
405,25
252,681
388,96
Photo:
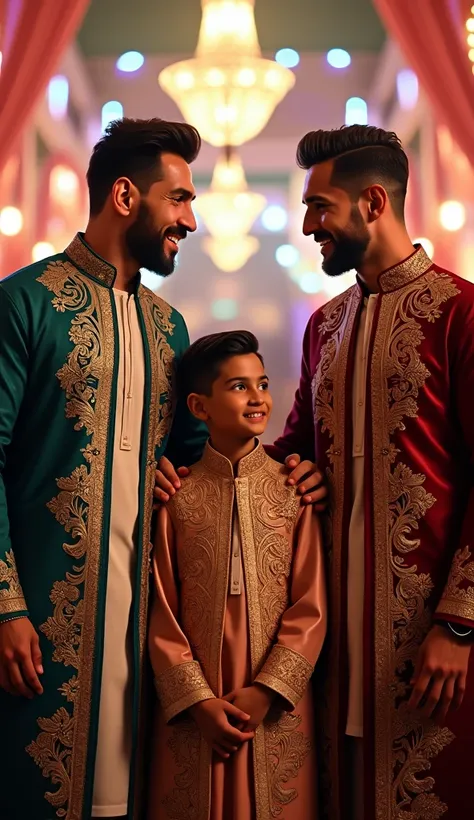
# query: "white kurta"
111,783
355,574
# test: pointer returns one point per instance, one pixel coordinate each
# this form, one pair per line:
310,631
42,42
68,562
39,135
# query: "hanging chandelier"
227,91
229,255
229,210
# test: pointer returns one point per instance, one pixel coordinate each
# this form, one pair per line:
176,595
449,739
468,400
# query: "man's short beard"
349,246
146,245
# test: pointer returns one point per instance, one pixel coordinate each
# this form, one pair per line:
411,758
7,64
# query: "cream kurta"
112,771
355,571
240,596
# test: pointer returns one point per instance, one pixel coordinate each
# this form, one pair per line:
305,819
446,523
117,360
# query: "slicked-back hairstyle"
133,149
201,364
363,155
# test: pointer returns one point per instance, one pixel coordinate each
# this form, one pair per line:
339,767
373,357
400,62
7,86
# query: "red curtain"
35,35
432,36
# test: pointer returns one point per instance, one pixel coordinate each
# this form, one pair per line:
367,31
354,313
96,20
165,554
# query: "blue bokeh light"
287,57
338,58
130,61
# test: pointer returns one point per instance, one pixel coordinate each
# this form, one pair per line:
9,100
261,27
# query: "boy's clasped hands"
226,723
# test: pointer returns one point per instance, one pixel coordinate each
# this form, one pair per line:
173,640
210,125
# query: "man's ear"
374,201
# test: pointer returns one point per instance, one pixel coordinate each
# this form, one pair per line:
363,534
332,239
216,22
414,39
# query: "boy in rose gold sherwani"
239,612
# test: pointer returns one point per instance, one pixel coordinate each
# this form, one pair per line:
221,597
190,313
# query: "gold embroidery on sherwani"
267,509
329,399
203,569
286,672
456,599
286,751
404,744
87,381
189,800
11,595
85,258
180,687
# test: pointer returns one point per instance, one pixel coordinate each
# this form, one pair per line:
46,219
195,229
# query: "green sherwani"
58,381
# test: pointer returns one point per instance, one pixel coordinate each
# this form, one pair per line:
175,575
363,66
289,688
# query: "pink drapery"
430,33
35,35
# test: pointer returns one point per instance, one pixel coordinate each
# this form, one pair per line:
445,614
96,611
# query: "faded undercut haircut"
201,363
363,155
133,148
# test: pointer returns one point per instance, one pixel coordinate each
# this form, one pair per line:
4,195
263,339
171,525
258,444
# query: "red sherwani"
419,526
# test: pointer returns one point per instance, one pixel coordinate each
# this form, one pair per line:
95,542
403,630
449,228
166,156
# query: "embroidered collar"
405,272
82,255
217,463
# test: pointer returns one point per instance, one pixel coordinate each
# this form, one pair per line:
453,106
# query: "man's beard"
145,243
349,246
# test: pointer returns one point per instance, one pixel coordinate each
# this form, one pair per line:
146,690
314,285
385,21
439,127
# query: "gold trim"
286,672
84,257
404,744
11,595
286,750
189,799
456,601
217,463
405,272
329,399
181,687
61,747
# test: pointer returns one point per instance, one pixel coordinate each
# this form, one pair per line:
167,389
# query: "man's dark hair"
363,155
133,149
200,365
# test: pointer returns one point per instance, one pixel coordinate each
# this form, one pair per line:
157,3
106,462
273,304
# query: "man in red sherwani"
385,403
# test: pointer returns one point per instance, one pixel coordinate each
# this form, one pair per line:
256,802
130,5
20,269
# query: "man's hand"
440,674
20,658
256,700
309,481
305,474
212,718
167,480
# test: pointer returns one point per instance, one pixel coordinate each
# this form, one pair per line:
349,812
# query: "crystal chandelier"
228,91
229,210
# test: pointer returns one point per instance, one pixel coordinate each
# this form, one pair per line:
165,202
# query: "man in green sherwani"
86,361
87,356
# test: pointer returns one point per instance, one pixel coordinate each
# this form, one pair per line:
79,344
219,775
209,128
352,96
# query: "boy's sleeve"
179,679
291,662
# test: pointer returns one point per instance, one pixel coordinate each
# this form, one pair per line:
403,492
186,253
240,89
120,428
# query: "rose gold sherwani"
240,597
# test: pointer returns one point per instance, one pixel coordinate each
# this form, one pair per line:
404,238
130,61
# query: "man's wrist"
458,632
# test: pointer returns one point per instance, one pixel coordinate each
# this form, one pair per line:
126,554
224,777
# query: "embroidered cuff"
12,601
457,600
287,673
181,687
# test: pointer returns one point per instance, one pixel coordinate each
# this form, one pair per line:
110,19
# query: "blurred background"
253,77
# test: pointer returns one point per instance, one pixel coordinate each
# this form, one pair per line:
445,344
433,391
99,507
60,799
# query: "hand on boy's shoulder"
309,481
167,481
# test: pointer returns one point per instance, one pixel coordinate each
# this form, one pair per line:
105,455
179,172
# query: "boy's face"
240,404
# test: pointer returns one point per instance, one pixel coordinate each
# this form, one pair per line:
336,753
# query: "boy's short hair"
200,366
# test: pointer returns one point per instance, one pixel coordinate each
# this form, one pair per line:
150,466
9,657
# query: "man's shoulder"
455,291
327,309
25,284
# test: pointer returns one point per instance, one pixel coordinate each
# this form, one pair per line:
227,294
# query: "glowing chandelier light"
228,91
229,210
229,255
